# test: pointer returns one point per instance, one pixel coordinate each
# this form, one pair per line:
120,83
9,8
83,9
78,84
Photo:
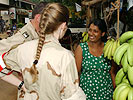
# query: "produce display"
121,51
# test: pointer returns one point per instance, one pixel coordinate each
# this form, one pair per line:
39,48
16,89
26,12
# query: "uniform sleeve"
4,70
11,42
11,60
24,34
70,89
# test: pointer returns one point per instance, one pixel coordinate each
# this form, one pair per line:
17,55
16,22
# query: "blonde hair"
54,14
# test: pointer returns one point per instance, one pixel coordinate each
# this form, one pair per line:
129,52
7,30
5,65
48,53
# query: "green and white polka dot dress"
95,79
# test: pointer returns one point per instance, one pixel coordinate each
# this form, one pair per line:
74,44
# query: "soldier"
26,33
48,69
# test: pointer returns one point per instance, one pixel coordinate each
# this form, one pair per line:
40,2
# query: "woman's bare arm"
78,58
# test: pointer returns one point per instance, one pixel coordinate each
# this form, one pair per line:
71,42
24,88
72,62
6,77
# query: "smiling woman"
94,70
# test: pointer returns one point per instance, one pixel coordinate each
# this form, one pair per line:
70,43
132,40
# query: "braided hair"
54,14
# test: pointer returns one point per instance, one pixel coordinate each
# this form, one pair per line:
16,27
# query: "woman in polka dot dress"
96,73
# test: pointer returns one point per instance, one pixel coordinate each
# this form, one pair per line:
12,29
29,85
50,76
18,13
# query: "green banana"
130,74
106,45
130,54
126,36
125,81
119,76
118,89
107,49
114,47
119,52
124,62
118,44
109,55
130,41
130,94
124,93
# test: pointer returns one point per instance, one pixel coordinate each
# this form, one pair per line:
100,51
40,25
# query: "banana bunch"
124,77
124,53
130,74
120,51
110,48
120,76
85,36
126,36
123,91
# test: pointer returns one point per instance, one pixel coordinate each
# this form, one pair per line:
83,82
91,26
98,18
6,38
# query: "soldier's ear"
37,17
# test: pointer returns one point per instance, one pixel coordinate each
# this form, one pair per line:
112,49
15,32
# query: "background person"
95,71
49,70
2,24
26,33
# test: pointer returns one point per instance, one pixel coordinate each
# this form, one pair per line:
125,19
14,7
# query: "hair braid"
53,15
33,69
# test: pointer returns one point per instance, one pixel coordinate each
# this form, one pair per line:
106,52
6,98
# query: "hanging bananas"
121,91
85,37
126,36
120,52
124,78
119,76
126,41
110,48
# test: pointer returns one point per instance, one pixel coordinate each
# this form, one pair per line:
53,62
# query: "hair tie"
35,62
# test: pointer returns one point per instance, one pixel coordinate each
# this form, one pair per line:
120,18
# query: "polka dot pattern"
95,79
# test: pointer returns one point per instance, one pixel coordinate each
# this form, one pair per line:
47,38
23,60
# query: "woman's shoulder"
83,44
28,45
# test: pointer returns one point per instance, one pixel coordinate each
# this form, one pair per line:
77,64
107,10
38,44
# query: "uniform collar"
32,28
51,38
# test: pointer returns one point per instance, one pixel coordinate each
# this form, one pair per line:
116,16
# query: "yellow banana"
83,34
119,76
124,93
84,39
124,62
130,74
119,52
125,36
130,94
130,54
